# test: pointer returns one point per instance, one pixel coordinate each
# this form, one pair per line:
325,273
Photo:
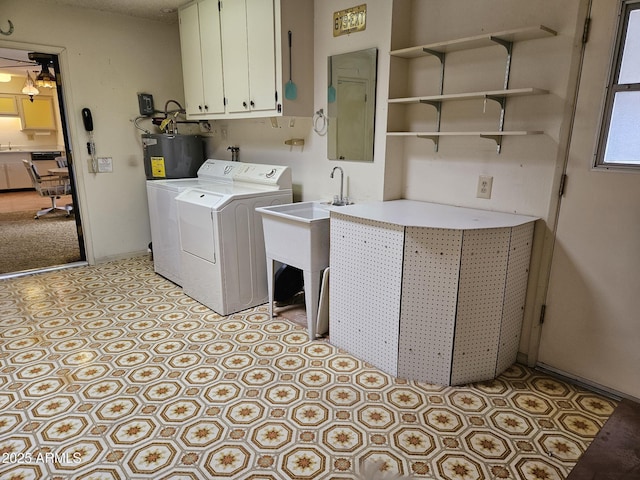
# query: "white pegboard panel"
429,297
483,269
366,281
515,293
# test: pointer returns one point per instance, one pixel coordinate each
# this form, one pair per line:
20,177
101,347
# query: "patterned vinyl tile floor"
111,372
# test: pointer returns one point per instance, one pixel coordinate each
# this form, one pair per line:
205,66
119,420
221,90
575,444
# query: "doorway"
591,330
33,132
352,133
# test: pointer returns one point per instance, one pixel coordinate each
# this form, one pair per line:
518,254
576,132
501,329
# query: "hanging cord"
320,123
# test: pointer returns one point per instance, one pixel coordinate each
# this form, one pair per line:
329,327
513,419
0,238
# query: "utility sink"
306,212
297,234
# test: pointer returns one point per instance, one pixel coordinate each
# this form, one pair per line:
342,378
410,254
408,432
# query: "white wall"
523,172
105,60
261,143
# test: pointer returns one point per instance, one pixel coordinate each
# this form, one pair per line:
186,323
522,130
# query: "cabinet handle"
206,107
252,104
244,104
200,107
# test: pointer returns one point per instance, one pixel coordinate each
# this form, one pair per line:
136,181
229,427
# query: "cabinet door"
262,55
37,114
431,265
366,286
233,24
211,48
8,105
17,176
4,184
191,60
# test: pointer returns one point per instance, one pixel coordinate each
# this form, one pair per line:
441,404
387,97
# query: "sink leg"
270,283
311,300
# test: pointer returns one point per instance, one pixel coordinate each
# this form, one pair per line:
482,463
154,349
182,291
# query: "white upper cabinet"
202,59
250,73
249,59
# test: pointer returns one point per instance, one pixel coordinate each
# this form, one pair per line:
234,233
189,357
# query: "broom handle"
289,55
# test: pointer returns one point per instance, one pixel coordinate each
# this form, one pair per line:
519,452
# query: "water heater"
172,156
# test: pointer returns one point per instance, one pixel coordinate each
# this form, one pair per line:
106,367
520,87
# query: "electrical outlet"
485,182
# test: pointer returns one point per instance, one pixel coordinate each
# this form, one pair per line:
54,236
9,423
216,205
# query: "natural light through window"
620,135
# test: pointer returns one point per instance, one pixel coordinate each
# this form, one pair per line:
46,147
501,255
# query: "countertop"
31,150
411,213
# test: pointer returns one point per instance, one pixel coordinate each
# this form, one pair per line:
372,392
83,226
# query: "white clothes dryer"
222,251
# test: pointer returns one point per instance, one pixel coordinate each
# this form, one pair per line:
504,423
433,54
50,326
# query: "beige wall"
105,60
260,142
526,173
524,170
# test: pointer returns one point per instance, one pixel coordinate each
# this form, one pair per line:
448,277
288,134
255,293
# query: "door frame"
567,292
57,55
564,151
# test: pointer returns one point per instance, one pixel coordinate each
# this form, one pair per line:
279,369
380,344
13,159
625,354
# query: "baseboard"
121,256
583,382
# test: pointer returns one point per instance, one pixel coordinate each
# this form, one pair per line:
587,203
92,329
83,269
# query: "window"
619,145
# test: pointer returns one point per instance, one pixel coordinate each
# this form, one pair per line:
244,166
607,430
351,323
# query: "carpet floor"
26,243
111,372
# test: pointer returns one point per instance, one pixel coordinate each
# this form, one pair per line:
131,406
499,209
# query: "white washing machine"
163,213
222,252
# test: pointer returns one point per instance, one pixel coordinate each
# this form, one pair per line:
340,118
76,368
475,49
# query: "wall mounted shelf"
465,134
495,136
478,41
439,50
489,94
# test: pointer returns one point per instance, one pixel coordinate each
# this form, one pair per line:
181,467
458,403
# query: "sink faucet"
341,198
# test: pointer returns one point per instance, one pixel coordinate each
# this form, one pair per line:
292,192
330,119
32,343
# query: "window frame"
612,87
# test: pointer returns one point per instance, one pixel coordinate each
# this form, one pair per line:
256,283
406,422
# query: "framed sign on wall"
351,20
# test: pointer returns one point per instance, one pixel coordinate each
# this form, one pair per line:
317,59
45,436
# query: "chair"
51,186
62,162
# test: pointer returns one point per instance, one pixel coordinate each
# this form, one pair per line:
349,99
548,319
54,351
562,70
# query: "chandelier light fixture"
45,78
29,87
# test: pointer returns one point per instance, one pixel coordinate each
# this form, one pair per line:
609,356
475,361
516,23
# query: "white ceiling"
11,61
16,62
160,10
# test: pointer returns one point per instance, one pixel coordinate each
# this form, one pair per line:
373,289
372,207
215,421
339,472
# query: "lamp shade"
29,88
45,78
